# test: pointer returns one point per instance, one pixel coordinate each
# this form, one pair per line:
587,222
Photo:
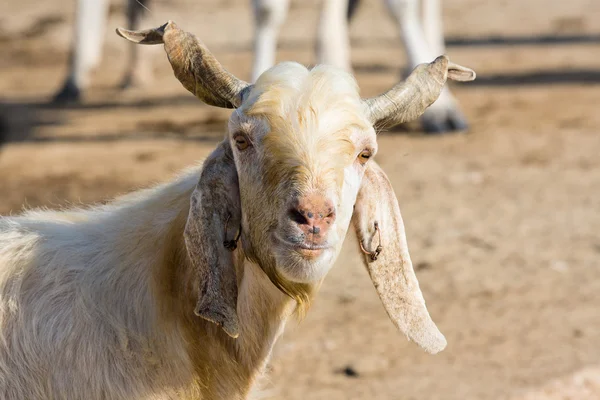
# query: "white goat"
150,297
422,38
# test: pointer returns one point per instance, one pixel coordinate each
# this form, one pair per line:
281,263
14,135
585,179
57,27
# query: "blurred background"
503,222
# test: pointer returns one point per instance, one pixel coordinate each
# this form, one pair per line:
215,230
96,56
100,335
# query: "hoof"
127,83
351,11
444,121
69,93
3,130
135,81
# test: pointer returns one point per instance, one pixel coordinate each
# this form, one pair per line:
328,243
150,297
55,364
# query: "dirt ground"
503,222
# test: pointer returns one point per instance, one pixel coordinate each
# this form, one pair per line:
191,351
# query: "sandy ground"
503,222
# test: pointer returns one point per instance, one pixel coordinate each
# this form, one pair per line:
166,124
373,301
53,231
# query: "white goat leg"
90,26
91,23
406,15
443,115
333,43
433,26
139,65
268,17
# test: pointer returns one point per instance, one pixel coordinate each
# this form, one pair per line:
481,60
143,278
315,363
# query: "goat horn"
409,99
193,64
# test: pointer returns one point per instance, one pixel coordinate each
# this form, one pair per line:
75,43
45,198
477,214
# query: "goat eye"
241,142
364,156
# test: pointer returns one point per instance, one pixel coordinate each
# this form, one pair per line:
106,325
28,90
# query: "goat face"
292,172
301,142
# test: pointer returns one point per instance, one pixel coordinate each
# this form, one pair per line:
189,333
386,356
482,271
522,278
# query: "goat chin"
299,268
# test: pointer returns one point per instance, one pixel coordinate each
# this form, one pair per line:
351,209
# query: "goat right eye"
364,156
241,142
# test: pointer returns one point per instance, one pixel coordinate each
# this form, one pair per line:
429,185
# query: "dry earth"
503,222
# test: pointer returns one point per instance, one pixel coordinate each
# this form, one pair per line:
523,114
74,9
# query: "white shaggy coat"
72,282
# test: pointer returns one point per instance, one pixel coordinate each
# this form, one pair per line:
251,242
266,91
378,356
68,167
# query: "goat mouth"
304,248
311,246
309,252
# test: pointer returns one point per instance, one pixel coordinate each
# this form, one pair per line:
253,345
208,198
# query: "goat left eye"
364,156
241,142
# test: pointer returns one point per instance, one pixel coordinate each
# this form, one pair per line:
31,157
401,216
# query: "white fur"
79,284
79,317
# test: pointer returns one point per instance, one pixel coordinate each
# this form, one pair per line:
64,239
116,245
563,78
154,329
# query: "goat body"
98,304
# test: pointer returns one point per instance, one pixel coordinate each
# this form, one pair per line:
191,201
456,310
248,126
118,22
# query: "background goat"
422,39
100,303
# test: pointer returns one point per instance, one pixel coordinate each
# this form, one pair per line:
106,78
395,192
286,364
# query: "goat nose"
313,214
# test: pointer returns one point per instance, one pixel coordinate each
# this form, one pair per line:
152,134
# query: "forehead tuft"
324,96
315,119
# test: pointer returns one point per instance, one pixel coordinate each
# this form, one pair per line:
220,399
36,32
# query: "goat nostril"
297,217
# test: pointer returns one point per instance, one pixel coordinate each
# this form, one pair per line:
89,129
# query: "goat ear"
213,221
380,231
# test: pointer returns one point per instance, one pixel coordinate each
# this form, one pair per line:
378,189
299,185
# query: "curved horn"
408,100
193,64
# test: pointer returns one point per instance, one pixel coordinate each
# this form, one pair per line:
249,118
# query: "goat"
180,291
422,41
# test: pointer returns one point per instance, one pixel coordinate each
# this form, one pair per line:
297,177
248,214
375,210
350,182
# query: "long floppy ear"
212,226
380,232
